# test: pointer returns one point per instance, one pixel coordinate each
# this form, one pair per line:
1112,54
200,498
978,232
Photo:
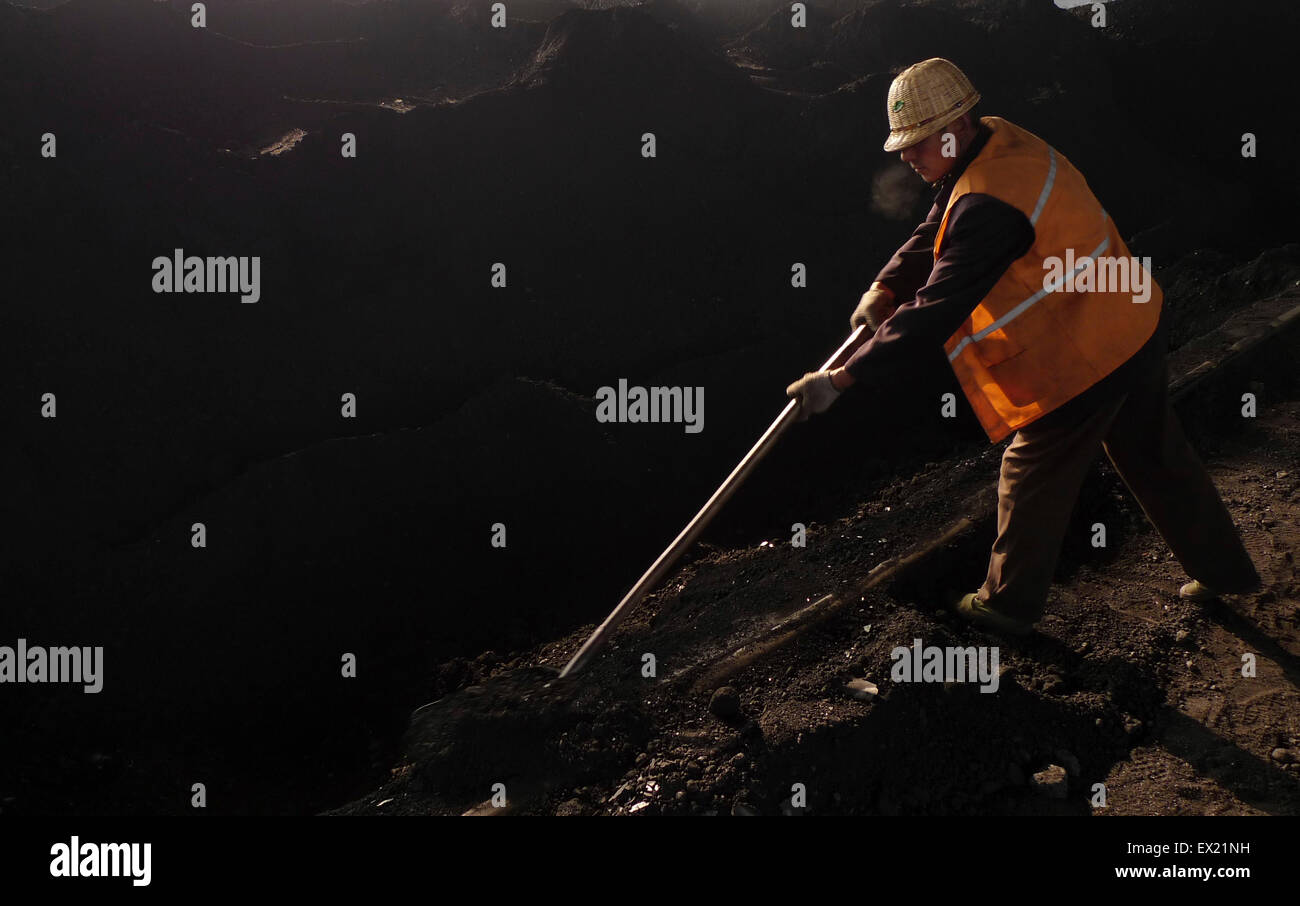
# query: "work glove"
875,307
815,393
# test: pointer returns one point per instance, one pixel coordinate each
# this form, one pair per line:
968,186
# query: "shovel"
669,557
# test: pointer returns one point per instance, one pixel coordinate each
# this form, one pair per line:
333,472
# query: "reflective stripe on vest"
1047,187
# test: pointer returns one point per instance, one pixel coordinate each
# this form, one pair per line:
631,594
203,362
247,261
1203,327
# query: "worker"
1066,365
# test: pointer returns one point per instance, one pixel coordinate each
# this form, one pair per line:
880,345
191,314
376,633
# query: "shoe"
1197,591
971,608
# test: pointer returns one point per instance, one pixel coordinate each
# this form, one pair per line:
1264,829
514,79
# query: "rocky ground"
1124,683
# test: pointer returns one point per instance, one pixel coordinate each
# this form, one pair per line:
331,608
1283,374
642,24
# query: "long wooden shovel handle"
688,535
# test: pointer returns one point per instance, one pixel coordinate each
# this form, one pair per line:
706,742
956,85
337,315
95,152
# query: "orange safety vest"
1030,346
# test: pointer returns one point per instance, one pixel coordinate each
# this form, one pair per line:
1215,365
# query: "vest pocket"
1008,341
1011,378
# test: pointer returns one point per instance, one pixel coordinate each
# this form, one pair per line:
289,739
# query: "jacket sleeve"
910,267
984,236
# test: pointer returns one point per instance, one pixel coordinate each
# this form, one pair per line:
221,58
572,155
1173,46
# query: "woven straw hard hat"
924,98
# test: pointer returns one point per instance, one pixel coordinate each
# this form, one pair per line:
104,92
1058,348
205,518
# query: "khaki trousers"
1044,468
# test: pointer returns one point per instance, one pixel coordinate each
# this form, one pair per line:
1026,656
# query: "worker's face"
926,157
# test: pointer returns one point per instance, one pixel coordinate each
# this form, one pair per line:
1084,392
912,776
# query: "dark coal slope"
232,84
